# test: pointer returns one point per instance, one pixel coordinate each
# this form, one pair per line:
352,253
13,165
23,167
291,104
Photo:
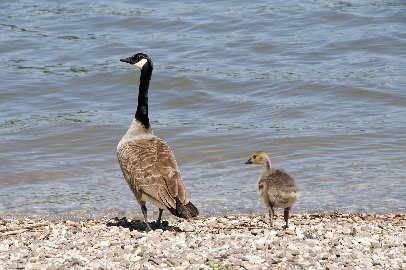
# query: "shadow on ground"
139,225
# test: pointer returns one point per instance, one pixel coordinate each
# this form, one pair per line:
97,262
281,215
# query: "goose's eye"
254,156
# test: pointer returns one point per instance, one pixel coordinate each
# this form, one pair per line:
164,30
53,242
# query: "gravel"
316,241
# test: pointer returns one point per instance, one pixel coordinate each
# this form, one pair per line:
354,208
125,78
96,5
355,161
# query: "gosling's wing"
281,180
282,190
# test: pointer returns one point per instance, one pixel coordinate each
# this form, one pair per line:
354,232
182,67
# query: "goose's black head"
139,61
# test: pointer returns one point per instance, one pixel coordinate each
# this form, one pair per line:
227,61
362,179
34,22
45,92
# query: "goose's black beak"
126,60
248,162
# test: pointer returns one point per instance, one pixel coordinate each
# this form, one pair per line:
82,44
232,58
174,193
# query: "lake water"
319,85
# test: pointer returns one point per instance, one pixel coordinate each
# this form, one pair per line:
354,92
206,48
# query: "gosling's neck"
266,165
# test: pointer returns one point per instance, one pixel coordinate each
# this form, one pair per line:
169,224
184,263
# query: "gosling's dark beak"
248,162
126,60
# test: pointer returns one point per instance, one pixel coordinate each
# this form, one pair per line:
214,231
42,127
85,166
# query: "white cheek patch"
140,64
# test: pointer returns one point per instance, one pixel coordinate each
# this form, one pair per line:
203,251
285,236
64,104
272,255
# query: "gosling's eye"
254,156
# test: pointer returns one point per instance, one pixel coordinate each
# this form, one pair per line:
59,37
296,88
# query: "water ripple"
317,84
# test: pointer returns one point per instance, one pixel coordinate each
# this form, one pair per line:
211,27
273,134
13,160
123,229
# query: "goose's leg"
271,214
158,221
144,212
286,216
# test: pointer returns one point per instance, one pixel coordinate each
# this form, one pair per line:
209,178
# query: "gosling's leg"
286,216
271,214
144,212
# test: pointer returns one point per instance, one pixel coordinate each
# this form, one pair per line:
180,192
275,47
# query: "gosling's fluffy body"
276,187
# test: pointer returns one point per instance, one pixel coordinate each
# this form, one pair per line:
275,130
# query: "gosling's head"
258,158
140,61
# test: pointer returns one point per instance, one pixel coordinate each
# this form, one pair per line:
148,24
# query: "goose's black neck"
142,109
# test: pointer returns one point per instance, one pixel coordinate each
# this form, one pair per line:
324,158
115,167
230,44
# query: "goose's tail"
185,211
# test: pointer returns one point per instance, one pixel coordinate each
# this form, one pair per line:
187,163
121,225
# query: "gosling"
276,187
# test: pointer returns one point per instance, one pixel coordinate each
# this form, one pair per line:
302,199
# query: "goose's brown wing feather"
149,166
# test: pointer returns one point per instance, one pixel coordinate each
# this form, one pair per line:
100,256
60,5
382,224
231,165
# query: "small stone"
235,261
329,235
376,262
155,261
245,258
174,262
295,252
310,236
248,265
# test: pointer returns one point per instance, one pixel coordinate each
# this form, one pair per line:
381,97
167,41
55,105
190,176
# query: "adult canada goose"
147,162
276,187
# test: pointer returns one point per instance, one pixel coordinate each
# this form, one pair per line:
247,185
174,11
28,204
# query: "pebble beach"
312,241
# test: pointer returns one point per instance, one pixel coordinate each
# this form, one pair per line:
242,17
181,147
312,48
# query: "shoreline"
105,214
315,240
